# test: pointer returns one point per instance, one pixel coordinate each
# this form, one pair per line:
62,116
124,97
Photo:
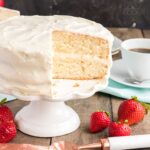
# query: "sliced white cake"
35,51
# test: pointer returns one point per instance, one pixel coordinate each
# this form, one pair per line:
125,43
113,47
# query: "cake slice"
42,57
6,13
79,57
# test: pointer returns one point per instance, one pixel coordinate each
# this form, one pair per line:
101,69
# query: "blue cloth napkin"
123,91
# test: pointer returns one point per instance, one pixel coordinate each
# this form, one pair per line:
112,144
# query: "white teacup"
137,63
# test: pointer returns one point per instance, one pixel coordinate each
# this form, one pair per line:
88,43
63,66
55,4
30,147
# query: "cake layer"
79,57
79,67
68,42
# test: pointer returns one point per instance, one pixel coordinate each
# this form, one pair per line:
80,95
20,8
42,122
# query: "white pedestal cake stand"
49,118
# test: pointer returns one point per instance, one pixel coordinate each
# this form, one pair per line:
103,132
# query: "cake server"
116,46
111,143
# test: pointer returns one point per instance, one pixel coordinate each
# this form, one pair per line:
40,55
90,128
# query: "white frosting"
25,53
6,13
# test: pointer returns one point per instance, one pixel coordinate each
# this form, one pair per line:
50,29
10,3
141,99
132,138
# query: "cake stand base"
47,119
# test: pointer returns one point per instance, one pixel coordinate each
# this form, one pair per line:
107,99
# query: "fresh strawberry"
5,113
132,110
119,129
7,125
7,131
2,3
99,121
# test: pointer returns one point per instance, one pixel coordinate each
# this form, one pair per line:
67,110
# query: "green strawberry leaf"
107,113
135,98
4,100
147,106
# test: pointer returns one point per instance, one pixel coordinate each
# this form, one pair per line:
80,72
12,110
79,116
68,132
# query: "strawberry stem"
145,105
126,121
107,113
4,100
135,98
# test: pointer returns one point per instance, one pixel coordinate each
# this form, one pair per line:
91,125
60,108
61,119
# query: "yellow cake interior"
79,57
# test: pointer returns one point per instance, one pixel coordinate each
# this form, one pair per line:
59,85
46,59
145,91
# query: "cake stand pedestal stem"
47,119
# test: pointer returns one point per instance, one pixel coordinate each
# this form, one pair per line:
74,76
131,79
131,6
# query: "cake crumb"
76,85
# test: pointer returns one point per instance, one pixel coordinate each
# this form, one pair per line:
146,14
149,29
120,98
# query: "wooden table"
85,107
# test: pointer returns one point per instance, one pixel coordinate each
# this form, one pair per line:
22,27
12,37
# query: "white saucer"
119,74
116,45
9,97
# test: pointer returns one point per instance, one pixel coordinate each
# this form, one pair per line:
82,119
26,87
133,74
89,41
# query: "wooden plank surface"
146,33
85,107
126,33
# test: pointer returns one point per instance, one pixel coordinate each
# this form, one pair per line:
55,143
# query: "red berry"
2,3
131,110
5,112
99,121
7,131
7,125
119,129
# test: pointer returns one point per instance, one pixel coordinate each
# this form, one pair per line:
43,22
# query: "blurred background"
111,13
